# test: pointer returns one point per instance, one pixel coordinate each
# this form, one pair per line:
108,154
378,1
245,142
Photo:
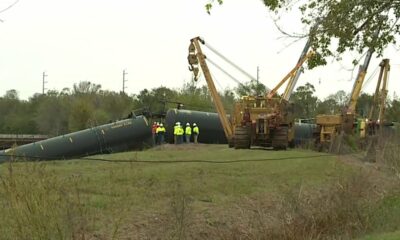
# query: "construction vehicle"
376,118
265,121
330,126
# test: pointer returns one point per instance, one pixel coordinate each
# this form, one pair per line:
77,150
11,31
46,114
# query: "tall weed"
37,204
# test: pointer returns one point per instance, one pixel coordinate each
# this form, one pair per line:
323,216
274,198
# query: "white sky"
94,40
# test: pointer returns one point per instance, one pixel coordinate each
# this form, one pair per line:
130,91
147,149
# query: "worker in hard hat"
153,132
179,133
176,129
160,133
196,132
188,132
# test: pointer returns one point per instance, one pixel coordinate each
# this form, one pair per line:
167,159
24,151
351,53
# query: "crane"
195,58
265,121
380,92
330,125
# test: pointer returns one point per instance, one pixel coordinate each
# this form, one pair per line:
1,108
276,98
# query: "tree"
52,114
86,87
364,104
80,115
305,103
341,98
393,111
328,106
11,94
251,88
353,24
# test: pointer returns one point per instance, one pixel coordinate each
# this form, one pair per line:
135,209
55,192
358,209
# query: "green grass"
127,197
138,183
383,236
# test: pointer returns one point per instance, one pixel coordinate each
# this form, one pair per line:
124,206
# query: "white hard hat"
178,123
194,124
154,123
161,125
187,124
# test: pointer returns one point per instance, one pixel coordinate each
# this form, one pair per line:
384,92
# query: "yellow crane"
380,92
265,121
195,57
331,125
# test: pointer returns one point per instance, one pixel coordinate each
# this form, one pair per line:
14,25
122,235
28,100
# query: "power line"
39,159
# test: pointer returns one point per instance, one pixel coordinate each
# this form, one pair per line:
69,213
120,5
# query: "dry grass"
316,198
36,204
340,210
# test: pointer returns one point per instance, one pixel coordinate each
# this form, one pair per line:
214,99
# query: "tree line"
86,105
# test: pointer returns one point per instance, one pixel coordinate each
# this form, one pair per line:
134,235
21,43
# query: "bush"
340,210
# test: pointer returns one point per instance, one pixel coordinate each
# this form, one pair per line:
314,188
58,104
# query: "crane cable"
369,79
230,62
226,73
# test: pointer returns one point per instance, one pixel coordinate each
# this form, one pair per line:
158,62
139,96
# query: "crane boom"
293,80
290,74
380,93
384,91
196,57
359,82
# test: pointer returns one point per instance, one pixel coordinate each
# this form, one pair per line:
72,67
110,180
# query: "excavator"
265,121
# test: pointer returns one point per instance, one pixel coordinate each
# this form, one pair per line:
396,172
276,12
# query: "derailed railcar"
210,126
211,130
132,133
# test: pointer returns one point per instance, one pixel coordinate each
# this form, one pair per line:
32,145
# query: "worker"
179,134
188,132
176,129
160,134
153,132
195,132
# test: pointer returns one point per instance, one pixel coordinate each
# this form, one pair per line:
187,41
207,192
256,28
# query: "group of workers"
179,133
158,131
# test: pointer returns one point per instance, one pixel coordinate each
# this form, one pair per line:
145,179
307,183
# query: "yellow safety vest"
196,130
188,131
179,131
160,129
176,129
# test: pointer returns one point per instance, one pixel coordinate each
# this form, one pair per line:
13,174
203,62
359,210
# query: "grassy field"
170,193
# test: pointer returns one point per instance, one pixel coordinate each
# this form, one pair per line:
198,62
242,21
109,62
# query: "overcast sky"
94,40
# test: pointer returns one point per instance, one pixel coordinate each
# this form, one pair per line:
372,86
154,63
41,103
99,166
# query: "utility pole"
258,79
258,74
44,82
124,73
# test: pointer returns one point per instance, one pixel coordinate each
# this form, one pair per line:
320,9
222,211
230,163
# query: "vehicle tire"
242,138
280,138
231,143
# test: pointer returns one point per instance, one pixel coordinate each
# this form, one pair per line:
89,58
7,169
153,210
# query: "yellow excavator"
265,121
